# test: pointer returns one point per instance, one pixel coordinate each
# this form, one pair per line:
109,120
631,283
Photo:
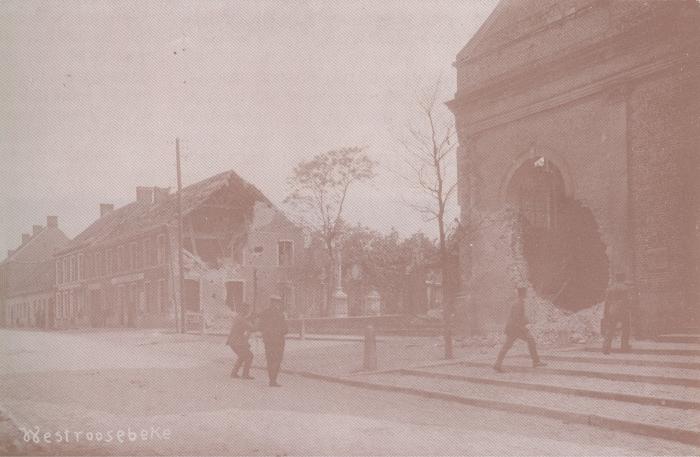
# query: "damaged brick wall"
663,167
613,104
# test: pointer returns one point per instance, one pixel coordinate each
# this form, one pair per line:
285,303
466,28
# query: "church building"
579,130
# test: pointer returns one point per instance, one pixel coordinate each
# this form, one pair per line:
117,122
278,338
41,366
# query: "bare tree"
429,147
319,188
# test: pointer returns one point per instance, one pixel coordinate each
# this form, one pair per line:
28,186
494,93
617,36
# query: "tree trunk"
447,293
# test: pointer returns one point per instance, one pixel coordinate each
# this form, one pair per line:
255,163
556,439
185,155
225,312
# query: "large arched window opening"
558,237
537,190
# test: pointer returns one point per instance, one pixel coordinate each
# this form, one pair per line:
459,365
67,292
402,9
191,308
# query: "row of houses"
122,270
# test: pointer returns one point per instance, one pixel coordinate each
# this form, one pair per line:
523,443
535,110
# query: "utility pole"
181,272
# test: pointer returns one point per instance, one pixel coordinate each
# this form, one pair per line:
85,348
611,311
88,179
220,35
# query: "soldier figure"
238,341
273,328
617,311
517,328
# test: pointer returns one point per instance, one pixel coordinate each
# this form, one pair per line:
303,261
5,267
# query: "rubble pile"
553,326
488,340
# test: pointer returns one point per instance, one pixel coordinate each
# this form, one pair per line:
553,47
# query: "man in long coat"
273,327
517,328
617,311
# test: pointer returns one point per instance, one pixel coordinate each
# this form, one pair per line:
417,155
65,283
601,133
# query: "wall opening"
234,294
191,295
558,238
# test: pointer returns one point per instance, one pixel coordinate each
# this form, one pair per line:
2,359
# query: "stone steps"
693,352
679,338
535,379
646,392
685,362
650,375
668,423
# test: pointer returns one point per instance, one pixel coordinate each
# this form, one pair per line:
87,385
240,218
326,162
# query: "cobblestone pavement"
144,384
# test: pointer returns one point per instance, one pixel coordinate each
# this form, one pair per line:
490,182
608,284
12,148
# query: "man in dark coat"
238,340
273,328
517,328
617,311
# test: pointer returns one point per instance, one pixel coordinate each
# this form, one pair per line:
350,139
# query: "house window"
73,267
138,254
150,296
132,255
126,257
115,259
66,269
59,271
90,264
162,249
163,297
191,295
149,252
122,258
234,294
136,296
81,266
286,292
98,264
285,253
66,304
108,261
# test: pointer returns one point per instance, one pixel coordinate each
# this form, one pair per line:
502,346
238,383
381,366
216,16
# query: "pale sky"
92,95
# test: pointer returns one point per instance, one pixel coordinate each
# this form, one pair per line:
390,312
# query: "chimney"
160,194
52,221
25,238
36,229
144,195
105,208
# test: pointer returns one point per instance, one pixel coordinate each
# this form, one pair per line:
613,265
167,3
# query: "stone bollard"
370,358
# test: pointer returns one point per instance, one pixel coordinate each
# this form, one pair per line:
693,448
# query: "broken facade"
578,126
123,269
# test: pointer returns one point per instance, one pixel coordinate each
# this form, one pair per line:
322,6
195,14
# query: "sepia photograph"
348,228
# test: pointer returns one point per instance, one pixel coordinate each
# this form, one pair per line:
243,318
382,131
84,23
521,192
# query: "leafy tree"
319,189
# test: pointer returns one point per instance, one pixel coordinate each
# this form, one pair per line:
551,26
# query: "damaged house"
123,269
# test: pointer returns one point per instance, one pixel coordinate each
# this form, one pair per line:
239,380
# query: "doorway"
234,294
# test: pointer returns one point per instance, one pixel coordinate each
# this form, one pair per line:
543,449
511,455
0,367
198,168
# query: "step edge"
604,395
680,435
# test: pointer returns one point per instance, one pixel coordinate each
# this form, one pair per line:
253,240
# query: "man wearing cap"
617,311
517,328
238,341
273,327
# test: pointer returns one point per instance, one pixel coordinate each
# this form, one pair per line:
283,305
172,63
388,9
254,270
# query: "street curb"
656,431
342,339
616,396
624,377
650,351
679,338
613,361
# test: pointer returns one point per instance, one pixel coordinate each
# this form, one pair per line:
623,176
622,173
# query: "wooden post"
370,355
181,273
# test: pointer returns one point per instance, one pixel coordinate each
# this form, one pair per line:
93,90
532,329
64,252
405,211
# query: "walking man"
273,328
617,311
517,328
238,340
